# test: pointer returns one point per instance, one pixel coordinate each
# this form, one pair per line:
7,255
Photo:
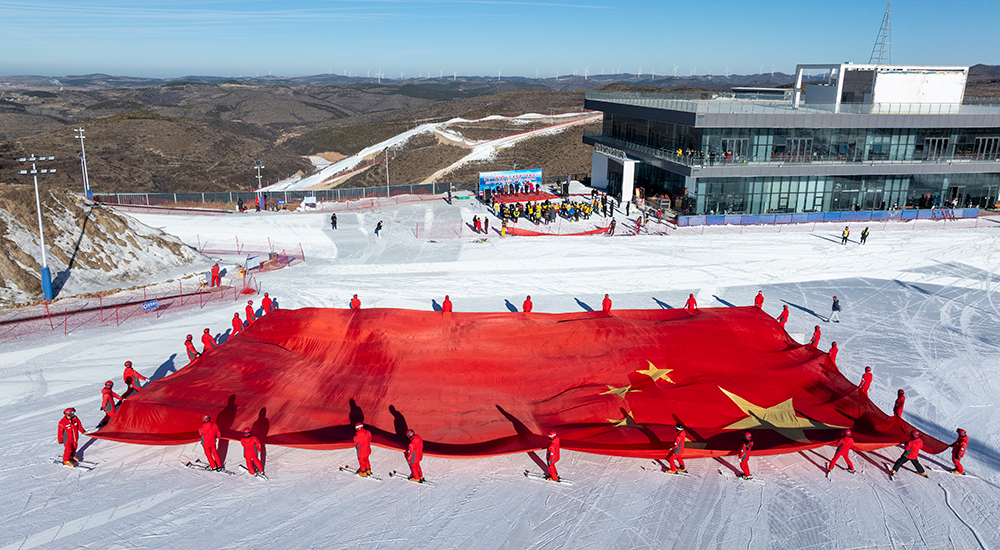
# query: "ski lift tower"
46,275
83,163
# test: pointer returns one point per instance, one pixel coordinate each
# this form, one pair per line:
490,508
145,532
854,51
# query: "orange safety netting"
477,384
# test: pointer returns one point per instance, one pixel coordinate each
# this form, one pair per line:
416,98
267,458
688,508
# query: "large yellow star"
620,392
627,421
780,418
656,373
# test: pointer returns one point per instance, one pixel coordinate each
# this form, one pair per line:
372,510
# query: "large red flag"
475,384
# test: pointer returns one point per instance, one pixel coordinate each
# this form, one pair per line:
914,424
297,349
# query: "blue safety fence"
838,217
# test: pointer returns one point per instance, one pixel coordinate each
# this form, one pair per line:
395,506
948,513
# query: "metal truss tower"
882,51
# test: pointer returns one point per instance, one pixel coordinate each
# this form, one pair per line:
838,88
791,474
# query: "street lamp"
46,276
257,165
83,163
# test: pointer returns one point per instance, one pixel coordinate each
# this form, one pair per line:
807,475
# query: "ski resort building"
848,137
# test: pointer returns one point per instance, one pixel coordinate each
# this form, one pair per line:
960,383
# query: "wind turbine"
640,71
557,75
536,74
498,74
401,75
441,74
454,76
710,74
727,71
675,70
586,72
772,71
761,71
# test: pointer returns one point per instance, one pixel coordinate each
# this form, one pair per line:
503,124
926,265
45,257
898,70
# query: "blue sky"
239,37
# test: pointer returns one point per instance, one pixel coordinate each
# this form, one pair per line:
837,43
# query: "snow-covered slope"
920,307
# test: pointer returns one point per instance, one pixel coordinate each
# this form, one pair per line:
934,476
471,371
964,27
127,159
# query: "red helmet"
108,384
900,392
250,302
552,433
247,432
914,434
128,363
70,411
679,426
265,295
237,314
817,327
847,432
189,337
207,331
358,426
410,434
206,418
748,436
961,431
868,369
834,344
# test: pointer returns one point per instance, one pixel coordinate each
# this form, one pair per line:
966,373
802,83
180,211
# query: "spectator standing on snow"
835,311
815,338
527,305
843,236
208,341
69,432
864,235
611,227
691,304
911,453
866,382
239,204
131,378
333,220
355,302
744,455
251,452
897,407
958,451
758,300
486,225
552,455
446,304
237,324
210,436
363,445
414,454
189,346
216,278
378,229
677,451
606,304
783,316
844,445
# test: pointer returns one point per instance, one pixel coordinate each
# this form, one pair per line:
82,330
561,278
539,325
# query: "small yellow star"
627,421
780,418
656,373
620,392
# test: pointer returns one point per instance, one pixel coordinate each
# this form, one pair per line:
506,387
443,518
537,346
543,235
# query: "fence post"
303,252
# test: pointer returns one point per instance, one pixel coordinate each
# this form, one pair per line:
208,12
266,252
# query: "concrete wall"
598,170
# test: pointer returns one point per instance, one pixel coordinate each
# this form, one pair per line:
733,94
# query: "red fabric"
483,384
524,197
529,233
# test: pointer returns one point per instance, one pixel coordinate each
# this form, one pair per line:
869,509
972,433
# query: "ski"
951,473
400,475
351,471
78,465
741,478
199,465
662,471
261,475
540,477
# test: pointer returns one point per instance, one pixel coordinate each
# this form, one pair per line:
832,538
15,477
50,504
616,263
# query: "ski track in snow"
919,307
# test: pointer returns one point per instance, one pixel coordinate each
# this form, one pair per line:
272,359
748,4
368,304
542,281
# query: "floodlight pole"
258,166
46,276
83,164
387,173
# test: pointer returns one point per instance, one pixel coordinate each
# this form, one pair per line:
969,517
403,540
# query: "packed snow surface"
920,307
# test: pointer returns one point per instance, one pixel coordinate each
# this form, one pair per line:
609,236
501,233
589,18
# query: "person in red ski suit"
744,455
189,346
606,304
552,455
237,324
251,317
866,381
210,436
355,302
267,304
131,378
911,453
691,304
958,451
208,340
251,449
527,305
69,432
414,454
844,445
783,316
758,301
216,277
897,407
677,451
815,339
446,304
833,352
363,445
108,397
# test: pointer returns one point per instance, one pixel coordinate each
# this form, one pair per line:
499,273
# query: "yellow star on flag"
620,392
627,421
656,373
780,418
